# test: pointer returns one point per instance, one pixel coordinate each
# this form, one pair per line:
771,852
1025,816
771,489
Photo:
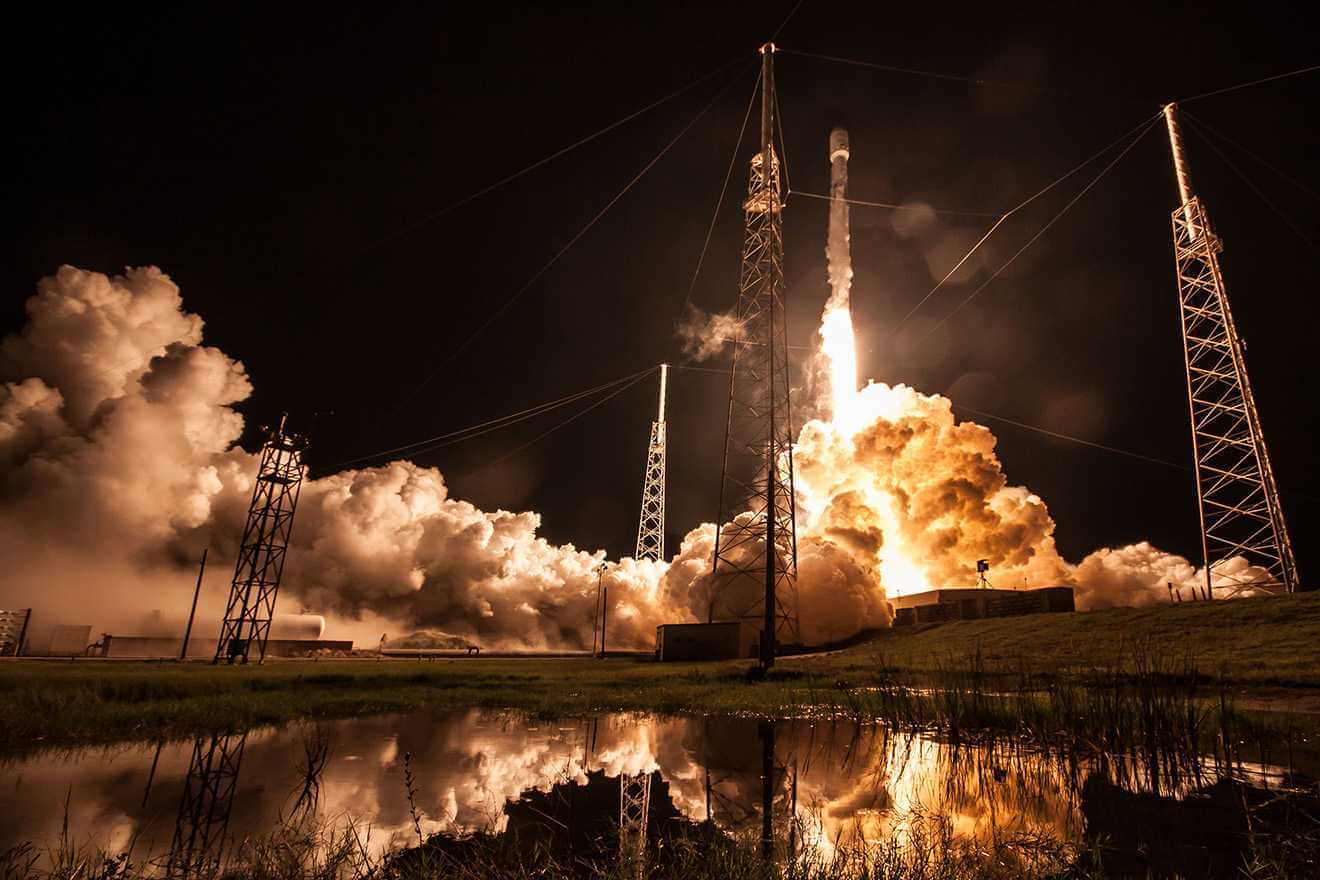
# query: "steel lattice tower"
651,523
262,552
755,562
1240,510
634,809
204,808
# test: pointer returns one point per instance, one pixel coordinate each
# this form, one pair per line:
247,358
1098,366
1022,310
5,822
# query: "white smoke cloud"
118,463
705,335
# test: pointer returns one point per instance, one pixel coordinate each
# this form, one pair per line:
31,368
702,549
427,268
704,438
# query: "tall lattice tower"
755,562
651,523
1241,514
262,552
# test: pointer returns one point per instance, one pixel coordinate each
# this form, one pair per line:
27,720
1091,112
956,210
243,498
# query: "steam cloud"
118,464
705,335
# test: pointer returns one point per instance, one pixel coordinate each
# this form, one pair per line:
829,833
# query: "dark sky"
274,161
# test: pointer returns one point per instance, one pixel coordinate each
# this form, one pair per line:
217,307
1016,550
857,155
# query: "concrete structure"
972,603
728,640
168,646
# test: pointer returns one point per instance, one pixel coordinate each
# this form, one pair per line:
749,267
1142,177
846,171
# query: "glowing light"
839,347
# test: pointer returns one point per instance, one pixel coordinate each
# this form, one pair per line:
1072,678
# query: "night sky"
276,162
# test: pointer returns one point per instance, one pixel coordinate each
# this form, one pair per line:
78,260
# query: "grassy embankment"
1247,645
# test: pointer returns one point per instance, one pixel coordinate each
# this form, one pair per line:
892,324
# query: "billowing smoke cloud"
118,464
705,335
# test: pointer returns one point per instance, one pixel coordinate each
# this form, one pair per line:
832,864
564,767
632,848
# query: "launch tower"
262,552
1241,514
754,572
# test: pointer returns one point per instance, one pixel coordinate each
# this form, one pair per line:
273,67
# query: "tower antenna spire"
1238,501
754,571
651,523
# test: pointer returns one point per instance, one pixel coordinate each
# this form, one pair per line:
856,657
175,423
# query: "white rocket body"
838,250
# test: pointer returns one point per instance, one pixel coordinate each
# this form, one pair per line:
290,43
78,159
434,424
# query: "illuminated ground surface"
1264,651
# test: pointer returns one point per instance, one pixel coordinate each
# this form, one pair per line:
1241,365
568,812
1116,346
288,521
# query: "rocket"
838,250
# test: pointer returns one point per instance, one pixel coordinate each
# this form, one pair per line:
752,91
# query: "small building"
732,640
973,603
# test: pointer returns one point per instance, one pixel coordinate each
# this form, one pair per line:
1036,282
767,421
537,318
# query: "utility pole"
1238,501
754,570
651,523
187,632
264,547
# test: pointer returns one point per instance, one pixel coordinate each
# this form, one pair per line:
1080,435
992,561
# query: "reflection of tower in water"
747,789
205,806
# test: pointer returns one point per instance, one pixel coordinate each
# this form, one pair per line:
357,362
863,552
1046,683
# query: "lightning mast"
754,571
263,549
651,523
1240,510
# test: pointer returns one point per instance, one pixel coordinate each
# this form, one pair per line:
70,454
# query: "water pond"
820,785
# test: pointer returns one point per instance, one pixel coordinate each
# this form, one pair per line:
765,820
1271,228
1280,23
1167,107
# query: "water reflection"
616,781
209,788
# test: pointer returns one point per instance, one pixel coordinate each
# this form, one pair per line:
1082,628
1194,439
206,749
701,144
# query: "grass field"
1267,641
1244,644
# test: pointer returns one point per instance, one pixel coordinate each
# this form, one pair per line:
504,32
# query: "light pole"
597,638
602,597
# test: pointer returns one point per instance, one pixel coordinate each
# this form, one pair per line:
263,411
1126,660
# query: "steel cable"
566,421
1254,82
1148,126
489,425
719,203
1146,122
569,244
1201,133
435,215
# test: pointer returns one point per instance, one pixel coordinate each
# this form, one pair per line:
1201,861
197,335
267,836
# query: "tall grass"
1148,702
930,850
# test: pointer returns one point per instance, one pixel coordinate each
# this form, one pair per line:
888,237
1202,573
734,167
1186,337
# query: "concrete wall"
706,641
